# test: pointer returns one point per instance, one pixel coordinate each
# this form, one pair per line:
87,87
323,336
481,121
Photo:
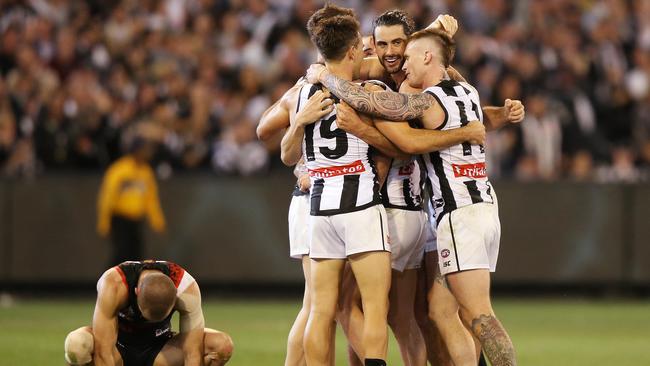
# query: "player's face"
390,43
413,64
368,46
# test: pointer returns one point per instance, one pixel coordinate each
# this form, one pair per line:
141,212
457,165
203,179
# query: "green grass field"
545,332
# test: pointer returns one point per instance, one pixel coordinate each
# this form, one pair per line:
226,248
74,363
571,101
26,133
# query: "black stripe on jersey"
299,97
445,188
350,192
443,109
316,193
381,224
406,191
384,192
489,191
467,147
474,193
453,240
376,194
478,115
447,86
314,88
309,142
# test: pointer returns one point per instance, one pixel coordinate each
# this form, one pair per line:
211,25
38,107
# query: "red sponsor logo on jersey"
332,171
477,170
445,253
407,169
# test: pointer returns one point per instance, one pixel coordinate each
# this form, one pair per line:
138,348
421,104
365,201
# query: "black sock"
481,360
374,362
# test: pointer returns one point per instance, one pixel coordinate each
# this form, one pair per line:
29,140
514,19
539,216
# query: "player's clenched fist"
515,111
446,23
475,133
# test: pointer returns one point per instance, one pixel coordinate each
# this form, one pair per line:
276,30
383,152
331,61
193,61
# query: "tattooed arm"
383,104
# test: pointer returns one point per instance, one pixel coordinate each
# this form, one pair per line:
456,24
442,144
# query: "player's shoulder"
112,282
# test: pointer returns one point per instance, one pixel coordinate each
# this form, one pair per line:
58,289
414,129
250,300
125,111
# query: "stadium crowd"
80,79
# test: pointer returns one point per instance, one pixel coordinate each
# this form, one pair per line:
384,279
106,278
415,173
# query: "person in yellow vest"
127,195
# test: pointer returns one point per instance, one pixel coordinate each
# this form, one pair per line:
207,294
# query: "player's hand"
347,119
304,183
446,23
475,133
515,111
318,106
315,72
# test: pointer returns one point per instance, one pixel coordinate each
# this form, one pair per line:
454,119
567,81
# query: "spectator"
79,75
128,195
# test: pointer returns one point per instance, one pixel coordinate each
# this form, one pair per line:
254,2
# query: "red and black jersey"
133,328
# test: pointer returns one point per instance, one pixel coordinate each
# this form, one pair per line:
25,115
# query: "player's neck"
398,78
340,70
431,80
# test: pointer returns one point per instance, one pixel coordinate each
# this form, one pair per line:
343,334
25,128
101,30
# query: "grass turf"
545,332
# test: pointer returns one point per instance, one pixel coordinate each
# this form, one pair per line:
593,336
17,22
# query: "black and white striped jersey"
457,174
343,177
403,185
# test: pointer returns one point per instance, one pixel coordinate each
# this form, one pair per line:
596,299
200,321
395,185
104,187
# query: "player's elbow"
262,133
288,158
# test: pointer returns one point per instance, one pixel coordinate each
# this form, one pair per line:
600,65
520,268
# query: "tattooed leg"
495,341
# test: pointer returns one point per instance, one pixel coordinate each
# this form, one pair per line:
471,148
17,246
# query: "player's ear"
137,291
350,53
428,56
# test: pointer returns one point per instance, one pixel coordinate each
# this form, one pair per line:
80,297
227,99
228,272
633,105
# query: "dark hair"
333,30
395,17
446,43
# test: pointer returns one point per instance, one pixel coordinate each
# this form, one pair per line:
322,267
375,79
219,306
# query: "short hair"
446,43
333,30
395,17
157,294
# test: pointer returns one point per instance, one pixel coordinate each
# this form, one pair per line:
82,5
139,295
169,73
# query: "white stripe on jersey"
343,177
458,174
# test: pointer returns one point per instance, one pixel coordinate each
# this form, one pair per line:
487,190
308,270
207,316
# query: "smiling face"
390,43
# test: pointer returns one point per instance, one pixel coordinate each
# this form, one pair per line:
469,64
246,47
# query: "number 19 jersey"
343,176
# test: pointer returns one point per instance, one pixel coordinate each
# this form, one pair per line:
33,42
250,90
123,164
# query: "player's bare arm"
111,296
191,324
276,117
318,106
420,141
383,104
513,111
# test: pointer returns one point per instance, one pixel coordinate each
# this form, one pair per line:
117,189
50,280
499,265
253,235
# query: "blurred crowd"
79,80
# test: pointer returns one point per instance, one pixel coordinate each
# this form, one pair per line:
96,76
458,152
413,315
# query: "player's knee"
79,345
219,345
438,312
